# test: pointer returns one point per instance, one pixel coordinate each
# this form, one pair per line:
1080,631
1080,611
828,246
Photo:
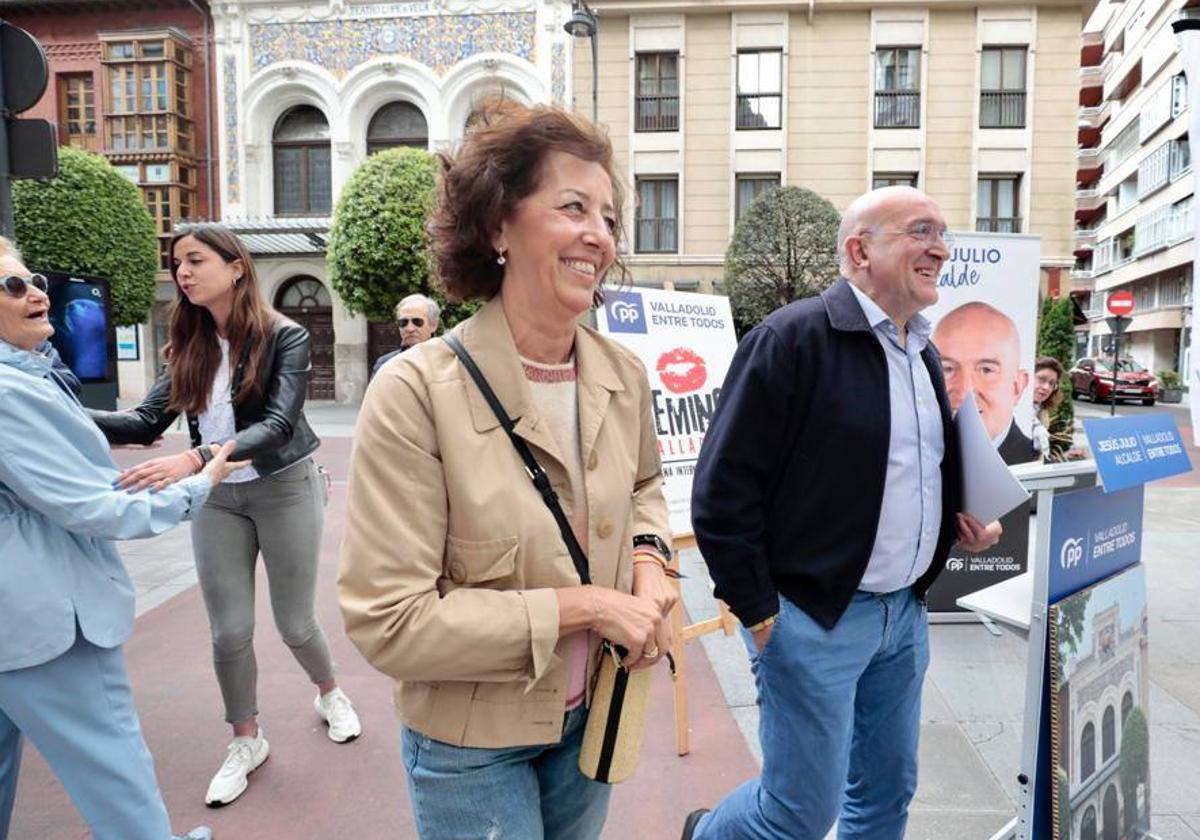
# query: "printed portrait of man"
981,352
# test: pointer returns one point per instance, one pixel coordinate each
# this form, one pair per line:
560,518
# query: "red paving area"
313,789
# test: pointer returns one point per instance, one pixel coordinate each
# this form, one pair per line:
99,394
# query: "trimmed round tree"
378,251
784,248
1056,338
90,219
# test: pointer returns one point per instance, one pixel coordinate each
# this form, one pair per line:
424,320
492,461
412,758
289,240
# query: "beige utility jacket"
450,557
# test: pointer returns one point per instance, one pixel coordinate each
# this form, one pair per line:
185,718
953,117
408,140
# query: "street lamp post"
583,24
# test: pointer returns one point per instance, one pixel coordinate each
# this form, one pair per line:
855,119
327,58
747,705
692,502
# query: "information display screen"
84,333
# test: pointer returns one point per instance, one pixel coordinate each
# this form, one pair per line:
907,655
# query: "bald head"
981,352
867,212
891,246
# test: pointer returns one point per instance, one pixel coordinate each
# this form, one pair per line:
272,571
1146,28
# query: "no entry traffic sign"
1120,303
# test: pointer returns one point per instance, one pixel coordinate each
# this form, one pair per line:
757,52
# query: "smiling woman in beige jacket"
455,580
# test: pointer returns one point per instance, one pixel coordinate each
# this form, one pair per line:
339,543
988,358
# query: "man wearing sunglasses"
417,318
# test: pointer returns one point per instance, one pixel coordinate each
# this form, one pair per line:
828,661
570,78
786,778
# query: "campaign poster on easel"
687,342
985,329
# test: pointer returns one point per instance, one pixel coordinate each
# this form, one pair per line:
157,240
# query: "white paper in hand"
989,488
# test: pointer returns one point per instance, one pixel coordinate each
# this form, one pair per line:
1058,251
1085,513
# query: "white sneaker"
244,757
336,710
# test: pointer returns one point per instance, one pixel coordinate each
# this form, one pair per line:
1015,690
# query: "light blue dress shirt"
58,513
910,517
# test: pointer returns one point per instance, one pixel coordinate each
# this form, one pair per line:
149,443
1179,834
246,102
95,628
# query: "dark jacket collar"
845,312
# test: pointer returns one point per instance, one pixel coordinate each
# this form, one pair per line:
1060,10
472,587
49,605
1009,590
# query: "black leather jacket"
271,429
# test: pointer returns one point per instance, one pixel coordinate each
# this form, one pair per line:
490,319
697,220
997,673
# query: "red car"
1093,378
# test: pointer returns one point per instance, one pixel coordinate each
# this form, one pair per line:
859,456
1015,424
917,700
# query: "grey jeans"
281,515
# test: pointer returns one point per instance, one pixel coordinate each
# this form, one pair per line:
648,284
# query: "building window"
397,124
1178,94
1108,728
750,187
1002,88
996,211
1181,157
893,179
301,156
77,110
656,103
897,87
147,126
1087,752
1087,827
657,215
760,89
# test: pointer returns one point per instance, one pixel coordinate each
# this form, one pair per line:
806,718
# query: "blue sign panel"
1092,535
1135,450
625,312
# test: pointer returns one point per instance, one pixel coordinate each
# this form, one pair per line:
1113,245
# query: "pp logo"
1072,553
625,312
955,564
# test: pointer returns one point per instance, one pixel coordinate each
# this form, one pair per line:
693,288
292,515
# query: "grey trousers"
281,516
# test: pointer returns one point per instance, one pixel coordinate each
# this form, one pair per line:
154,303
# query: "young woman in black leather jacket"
239,371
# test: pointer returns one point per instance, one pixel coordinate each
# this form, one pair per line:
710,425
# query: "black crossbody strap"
536,474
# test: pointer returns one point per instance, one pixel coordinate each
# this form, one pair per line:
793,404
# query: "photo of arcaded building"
1102,699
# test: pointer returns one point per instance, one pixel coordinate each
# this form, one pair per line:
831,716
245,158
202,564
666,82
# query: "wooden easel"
680,634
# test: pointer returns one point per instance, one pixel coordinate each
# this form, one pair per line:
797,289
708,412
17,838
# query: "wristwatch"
653,541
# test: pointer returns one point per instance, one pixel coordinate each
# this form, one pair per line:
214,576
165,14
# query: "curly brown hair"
498,164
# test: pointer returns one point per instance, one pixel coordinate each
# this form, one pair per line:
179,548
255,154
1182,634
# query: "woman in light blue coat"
66,602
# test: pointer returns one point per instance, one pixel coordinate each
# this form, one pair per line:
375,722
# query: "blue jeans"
512,793
840,716
77,709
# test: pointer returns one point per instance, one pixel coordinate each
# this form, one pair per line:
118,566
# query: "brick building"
128,81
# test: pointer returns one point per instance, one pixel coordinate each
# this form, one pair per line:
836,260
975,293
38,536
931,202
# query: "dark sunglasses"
416,322
17,287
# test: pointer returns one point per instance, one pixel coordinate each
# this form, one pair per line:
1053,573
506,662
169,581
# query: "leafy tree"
1068,630
1063,792
1056,330
784,248
90,219
1056,338
1135,761
378,251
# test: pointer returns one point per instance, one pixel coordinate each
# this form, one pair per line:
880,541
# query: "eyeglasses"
18,287
404,322
928,233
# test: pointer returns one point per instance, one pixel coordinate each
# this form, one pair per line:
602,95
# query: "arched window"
300,146
1087,752
397,124
1108,734
1087,828
1111,828
1126,707
303,293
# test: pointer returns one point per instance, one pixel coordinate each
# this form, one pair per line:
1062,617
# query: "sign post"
1120,304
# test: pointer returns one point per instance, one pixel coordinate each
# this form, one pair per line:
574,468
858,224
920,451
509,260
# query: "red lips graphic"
681,370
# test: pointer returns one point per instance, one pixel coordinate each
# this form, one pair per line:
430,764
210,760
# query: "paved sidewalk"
312,789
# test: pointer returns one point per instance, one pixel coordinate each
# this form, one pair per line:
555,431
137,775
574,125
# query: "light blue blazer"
58,513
